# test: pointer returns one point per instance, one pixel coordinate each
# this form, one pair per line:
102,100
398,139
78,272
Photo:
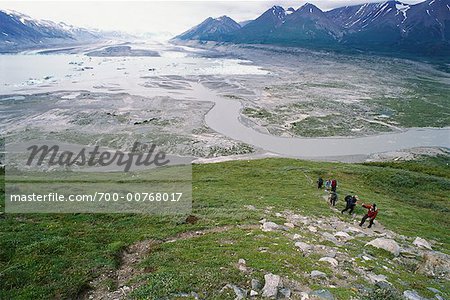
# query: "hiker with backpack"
328,184
350,203
333,185
371,214
333,198
319,183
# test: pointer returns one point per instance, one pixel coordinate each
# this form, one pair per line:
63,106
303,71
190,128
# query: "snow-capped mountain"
422,28
310,23
19,31
211,29
260,29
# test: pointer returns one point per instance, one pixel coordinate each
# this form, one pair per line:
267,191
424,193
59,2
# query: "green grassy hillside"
57,256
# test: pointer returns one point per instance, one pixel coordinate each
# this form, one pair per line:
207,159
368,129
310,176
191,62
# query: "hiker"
319,183
333,198
328,184
333,185
350,203
371,214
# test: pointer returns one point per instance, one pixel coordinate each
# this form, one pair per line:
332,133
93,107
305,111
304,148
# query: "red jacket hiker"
371,214
333,185
372,211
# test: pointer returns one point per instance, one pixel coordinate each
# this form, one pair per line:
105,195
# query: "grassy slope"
46,256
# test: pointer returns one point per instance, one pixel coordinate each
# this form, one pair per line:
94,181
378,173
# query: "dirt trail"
117,284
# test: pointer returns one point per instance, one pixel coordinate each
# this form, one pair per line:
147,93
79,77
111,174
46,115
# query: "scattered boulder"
242,265
383,284
255,284
331,254
436,291
304,296
412,295
322,295
296,236
318,274
284,293
312,229
342,235
303,246
354,230
272,282
385,244
240,293
289,225
271,226
422,243
330,260
329,237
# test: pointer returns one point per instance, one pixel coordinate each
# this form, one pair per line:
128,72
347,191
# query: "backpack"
348,198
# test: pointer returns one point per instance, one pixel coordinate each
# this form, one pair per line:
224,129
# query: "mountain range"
19,32
422,28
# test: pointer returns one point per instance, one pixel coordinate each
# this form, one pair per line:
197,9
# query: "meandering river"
46,73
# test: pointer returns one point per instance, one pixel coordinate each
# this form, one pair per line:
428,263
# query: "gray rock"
272,282
304,296
342,235
322,295
289,225
271,226
318,274
385,244
422,243
284,293
240,293
412,295
331,254
312,229
354,230
256,285
303,246
296,236
436,291
330,260
329,237
241,265
383,285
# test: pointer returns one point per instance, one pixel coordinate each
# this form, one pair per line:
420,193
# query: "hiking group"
350,201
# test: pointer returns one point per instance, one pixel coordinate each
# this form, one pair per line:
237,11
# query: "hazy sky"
172,17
